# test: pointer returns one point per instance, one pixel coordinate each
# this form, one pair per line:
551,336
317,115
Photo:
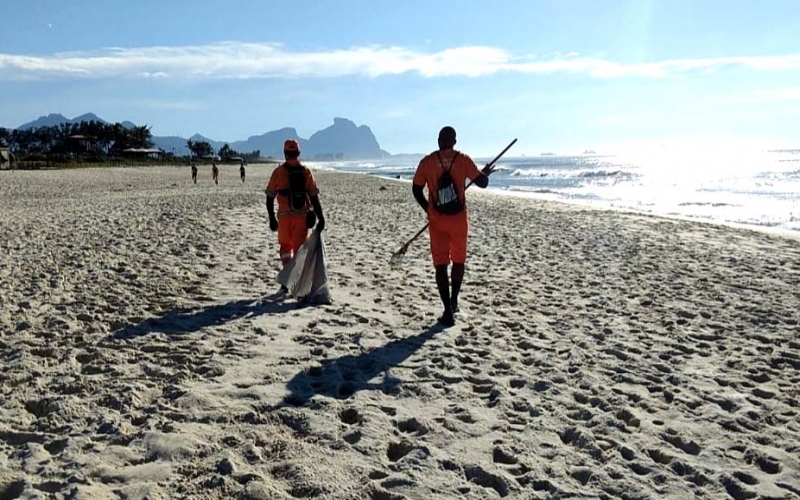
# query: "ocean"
758,188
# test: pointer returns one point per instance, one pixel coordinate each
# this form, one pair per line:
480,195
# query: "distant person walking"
215,173
194,173
298,202
241,170
444,172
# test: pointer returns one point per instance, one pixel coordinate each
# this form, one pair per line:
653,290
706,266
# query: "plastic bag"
306,276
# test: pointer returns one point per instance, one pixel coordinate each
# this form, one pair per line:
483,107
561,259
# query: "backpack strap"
452,162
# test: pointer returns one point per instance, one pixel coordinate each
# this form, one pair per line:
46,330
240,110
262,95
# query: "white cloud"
157,74
253,60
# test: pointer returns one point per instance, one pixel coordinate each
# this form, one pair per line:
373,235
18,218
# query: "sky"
560,75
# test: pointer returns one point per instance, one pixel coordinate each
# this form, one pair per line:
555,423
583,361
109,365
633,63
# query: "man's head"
291,149
447,138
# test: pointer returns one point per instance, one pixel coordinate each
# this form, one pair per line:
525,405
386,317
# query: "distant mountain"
171,144
55,119
88,117
201,138
51,120
271,143
343,140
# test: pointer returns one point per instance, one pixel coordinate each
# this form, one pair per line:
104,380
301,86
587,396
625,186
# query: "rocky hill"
343,140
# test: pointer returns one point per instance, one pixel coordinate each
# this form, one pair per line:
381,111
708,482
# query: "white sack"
306,276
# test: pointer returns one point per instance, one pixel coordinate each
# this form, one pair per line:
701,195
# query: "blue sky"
561,75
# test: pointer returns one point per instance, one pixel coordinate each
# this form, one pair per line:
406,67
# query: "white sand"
599,354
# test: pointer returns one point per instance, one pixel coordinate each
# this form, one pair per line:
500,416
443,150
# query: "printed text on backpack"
447,200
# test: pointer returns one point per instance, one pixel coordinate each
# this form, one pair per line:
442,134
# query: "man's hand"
320,224
488,169
273,223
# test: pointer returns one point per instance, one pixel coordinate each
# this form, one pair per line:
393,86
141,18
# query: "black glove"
320,224
273,224
311,219
488,170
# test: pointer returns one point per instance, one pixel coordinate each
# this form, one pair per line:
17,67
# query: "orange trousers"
292,233
448,238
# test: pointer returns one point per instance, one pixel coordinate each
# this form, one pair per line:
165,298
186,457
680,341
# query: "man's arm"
419,195
481,177
318,210
273,222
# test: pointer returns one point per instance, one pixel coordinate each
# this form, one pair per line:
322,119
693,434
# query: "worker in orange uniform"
299,208
444,172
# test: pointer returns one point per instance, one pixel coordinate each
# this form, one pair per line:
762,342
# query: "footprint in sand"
400,449
353,437
736,490
501,456
685,445
350,416
481,477
660,457
764,462
412,426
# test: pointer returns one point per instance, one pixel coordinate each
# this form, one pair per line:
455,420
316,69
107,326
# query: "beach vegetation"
95,143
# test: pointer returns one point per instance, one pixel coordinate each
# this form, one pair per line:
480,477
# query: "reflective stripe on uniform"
285,213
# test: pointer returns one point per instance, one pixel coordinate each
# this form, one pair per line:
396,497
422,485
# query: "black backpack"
447,200
298,196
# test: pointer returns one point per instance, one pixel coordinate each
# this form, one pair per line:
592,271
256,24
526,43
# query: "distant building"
6,157
82,144
143,153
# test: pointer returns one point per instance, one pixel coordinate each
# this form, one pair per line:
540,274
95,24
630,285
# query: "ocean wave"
528,173
599,173
706,204
581,174
752,222
527,189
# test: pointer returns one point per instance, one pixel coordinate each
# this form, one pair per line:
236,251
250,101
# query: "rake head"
397,258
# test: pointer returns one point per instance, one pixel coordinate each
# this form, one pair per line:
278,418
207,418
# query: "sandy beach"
599,355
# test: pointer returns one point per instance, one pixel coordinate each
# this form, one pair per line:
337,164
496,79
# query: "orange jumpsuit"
292,229
448,232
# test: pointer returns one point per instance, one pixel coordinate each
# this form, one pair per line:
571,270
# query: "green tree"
225,152
199,148
140,137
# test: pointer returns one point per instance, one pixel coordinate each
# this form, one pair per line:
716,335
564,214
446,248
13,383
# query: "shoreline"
776,231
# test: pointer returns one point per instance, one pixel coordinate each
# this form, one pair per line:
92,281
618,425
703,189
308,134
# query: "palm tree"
226,152
140,136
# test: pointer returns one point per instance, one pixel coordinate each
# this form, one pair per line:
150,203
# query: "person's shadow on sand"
342,377
183,321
